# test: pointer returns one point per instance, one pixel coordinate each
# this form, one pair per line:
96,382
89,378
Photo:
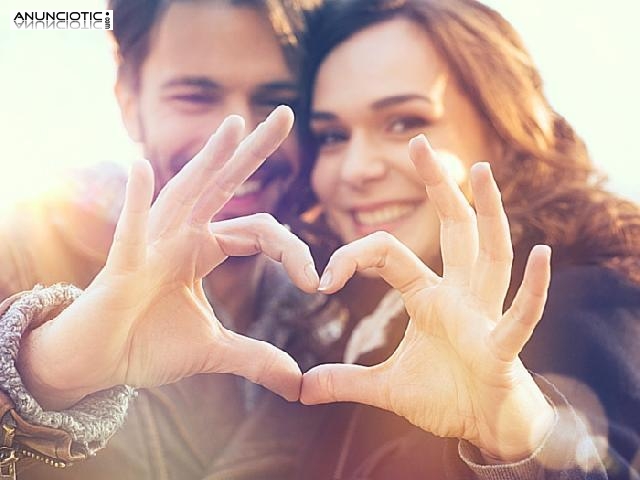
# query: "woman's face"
373,93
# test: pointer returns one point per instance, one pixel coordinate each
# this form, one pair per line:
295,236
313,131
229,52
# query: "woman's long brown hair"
552,192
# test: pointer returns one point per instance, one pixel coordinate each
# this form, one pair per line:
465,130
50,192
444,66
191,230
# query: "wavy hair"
552,192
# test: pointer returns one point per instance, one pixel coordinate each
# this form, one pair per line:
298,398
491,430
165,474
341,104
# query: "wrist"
43,375
521,430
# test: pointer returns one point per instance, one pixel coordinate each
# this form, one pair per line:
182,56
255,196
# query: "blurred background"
57,108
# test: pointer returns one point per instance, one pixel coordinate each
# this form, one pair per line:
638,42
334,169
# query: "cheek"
324,180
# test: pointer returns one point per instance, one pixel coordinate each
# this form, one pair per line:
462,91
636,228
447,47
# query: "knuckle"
467,213
496,254
327,384
265,224
267,366
264,219
385,238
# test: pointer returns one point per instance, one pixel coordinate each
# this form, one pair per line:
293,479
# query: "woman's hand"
144,320
456,372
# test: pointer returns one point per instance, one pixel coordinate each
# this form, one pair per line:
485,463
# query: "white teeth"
247,188
383,215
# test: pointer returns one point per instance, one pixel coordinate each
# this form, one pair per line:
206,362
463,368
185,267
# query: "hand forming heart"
145,320
456,373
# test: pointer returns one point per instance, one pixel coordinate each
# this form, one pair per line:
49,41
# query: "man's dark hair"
133,22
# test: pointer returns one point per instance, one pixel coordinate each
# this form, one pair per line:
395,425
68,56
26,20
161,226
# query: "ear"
127,96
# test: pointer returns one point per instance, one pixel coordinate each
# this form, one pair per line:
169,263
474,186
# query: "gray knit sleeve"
93,420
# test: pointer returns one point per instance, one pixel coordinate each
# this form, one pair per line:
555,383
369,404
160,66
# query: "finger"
129,241
345,383
178,197
380,252
249,155
518,323
492,271
261,233
458,230
259,362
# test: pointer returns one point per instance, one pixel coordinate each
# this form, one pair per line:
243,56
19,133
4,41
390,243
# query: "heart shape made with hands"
150,322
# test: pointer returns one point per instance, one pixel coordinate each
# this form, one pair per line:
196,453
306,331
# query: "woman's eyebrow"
398,99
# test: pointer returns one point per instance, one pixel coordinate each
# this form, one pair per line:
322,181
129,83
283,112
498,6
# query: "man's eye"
271,103
407,124
194,99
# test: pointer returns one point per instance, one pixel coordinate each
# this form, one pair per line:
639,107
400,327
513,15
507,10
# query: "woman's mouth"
382,217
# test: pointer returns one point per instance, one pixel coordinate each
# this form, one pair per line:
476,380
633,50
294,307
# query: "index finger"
180,194
249,155
458,225
382,253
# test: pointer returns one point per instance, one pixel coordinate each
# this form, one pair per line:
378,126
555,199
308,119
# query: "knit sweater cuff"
93,420
567,452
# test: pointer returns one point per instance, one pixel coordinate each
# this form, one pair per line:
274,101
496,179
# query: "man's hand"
145,320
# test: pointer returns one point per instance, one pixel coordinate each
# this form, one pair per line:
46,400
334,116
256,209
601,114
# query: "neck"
231,288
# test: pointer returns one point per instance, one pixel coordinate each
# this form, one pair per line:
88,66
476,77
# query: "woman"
379,73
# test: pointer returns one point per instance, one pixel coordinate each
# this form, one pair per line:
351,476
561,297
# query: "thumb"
259,362
345,383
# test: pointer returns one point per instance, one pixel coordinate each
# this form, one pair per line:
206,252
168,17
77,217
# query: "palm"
442,363
456,372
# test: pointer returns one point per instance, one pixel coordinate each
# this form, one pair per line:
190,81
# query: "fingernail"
422,138
325,281
546,249
311,274
239,119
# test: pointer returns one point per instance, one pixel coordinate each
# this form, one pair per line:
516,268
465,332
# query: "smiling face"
373,93
208,60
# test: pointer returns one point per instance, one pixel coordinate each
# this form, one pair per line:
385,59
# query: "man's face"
205,62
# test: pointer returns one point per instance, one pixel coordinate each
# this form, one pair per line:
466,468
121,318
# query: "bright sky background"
57,108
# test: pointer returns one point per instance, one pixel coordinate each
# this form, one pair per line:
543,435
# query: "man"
182,68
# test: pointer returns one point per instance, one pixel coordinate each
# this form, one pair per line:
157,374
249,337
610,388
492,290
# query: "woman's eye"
329,138
407,124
